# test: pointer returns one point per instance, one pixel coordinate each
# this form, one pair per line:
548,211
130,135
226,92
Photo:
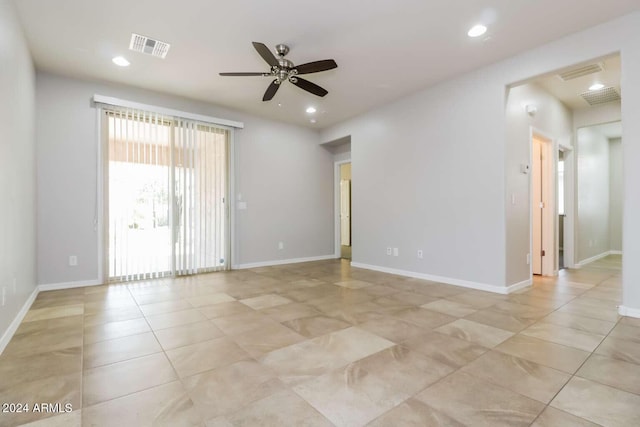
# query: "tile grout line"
574,374
286,387
133,358
164,352
492,349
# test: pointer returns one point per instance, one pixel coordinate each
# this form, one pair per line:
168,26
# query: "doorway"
345,211
166,185
542,205
557,107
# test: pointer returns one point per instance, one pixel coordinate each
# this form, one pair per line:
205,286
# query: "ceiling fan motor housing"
284,70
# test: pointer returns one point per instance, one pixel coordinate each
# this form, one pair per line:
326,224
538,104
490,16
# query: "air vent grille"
574,73
602,96
149,46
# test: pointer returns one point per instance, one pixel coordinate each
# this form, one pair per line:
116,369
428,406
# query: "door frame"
569,212
336,205
101,219
552,182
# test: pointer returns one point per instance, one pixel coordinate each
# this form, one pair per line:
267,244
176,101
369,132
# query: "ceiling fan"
283,69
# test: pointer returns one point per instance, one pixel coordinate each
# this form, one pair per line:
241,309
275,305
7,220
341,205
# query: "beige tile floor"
326,344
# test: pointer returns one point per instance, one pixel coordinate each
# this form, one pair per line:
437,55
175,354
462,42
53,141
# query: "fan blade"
271,91
244,74
317,66
266,54
309,87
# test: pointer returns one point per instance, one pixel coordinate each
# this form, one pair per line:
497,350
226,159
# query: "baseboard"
283,262
628,311
69,285
13,326
596,258
520,285
447,280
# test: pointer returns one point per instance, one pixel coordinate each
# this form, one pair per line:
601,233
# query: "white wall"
418,174
555,121
432,168
340,149
615,194
605,113
590,116
17,169
296,211
593,193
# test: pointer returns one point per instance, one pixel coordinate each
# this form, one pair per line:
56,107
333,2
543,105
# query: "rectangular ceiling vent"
585,70
602,96
149,46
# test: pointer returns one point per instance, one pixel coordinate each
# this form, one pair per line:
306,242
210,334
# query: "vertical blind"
166,204
200,178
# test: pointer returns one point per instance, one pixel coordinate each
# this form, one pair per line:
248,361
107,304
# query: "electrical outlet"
73,260
528,259
420,255
388,251
395,251
280,245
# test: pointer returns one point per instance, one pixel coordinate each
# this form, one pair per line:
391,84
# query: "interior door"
345,212
536,206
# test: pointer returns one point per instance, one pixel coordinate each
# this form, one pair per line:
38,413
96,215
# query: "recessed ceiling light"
313,120
311,110
596,86
121,61
477,31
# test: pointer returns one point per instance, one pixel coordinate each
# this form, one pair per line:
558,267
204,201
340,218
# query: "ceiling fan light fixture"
477,30
311,110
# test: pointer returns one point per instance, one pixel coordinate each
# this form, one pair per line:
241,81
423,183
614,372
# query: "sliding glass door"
167,196
200,193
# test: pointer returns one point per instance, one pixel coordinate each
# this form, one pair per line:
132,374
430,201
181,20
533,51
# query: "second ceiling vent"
602,96
581,71
149,46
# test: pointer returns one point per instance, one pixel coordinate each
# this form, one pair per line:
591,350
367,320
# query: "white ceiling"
569,91
384,49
